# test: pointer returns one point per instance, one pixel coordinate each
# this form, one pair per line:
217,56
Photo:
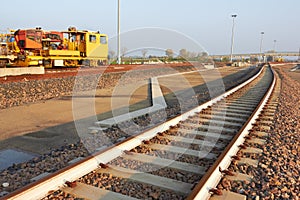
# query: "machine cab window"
93,38
103,40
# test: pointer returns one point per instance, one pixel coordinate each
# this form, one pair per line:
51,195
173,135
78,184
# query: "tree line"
170,55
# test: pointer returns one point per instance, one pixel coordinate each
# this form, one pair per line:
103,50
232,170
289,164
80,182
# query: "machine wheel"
93,63
3,63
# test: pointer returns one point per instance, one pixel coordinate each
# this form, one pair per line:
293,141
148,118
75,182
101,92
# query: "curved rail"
213,176
52,182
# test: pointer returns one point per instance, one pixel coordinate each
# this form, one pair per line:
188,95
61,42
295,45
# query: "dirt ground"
40,127
295,74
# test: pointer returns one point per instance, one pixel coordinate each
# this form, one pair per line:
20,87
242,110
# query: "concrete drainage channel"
158,103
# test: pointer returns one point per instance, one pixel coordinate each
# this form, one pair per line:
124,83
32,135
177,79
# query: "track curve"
181,161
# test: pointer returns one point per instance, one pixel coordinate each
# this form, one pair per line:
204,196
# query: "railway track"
185,159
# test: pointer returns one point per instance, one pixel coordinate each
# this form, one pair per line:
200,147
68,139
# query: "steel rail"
213,176
54,181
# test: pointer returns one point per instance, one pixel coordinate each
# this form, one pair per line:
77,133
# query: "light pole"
274,50
232,36
119,39
274,45
261,43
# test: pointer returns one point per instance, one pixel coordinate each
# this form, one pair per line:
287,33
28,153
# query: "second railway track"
180,161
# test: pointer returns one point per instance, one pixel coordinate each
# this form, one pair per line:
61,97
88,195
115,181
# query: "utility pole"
232,36
119,37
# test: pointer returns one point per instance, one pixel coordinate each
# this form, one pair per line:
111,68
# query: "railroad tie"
194,141
252,150
227,195
248,161
85,191
257,141
260,133
163,162
206,134
239,177
185,151
142,177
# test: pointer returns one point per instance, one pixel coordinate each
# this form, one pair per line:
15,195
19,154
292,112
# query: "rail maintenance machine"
36,47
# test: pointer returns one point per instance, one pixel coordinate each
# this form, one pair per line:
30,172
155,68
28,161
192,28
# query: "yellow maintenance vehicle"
37,47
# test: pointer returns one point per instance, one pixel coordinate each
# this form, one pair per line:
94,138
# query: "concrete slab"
21,71
11,156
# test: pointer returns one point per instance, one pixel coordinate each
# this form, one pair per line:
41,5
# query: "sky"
207,24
